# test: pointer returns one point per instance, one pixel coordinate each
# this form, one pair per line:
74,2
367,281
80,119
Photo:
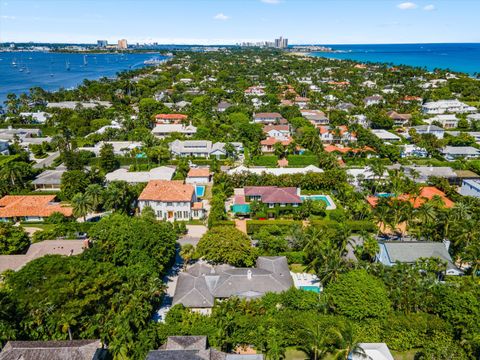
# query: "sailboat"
14,63
85,62
67,65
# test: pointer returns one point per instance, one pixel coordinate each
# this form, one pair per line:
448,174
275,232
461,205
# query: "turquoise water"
384,195
200,190
315,289
457,57
52,71
317,198
241,208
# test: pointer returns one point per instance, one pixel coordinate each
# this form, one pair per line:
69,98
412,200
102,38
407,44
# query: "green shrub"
255,225
294,257
265,160
302,160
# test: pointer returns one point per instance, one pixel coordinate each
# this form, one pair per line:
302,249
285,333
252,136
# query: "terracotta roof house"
268,145
409,252
54,350
426,194
30,207
193,348
199,176
280,132
170,118
340,134
170,200
199,286
255,91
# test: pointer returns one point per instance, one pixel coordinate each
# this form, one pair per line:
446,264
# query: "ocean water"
50,70
457,57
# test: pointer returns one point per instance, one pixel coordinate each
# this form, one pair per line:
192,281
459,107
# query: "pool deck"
305,279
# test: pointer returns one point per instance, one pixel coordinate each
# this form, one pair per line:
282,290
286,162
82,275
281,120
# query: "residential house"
42,248
447,106
268,118
268,144
280,132
361,120
54,350
421,174
385,135
120,148
301,102
199,176
474,134
409,252
202,148
448,121
9,134
222,106
356,176
171,200
72,105
427,193
161,131
373,100
255,91
30,207
473,117
345,106
337,135
316,117
470,187
39,117
259,170
199,286
369,84
412,150
460,152
399,119
194,348
429,129
170,118
49,180
408,99
139,177
371,351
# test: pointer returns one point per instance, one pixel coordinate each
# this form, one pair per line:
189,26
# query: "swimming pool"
384,195
315,289
325,198
200,190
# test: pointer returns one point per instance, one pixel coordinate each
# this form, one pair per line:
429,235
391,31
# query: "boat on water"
14,63
67,65
85,61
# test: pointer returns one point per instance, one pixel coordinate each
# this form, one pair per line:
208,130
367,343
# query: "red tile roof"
427,193
267,128
199,172
274,115
31,206
167,191
171,116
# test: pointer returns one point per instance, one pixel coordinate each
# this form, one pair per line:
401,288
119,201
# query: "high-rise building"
122,44
281,43
102,43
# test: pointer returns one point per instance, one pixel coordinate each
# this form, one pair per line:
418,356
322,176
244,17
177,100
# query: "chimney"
249,274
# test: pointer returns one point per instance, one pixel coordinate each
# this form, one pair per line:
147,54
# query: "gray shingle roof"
411,251
202,283
52,350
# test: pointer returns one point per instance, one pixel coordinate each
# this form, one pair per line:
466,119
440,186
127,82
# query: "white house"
199,176
137,177
456,152
340,134
316,117
412,150
280,132
268,118
171,200
161,131
385,135
373,100
255,91
470,187
430,129
448,121
120,148
201,148
447,106
39,117
259,170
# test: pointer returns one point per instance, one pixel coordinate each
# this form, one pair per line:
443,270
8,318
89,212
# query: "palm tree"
276,346
426,215
94,193
81,206
315,341
187,253
345,343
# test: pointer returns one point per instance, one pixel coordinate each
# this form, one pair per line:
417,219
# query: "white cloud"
221,16
407,6
430,7
274,2
8,17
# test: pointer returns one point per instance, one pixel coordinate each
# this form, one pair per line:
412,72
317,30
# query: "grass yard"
294,354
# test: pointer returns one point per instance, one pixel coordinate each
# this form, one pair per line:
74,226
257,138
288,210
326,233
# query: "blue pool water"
241,208
315,289
384,195
317,198
200,190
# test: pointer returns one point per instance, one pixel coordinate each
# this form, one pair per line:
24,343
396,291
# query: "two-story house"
171,200
337,135
269,118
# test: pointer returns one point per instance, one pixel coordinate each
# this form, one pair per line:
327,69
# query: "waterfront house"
9,134
161,131
470,187
138,177
54,350
447,106
201,284
30,207
409,252
202,148
171,200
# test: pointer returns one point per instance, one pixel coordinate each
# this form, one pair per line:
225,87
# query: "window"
169,204
159,214
271,206
185,215
282,204
178,214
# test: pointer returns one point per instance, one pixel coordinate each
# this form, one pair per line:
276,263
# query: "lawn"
294,354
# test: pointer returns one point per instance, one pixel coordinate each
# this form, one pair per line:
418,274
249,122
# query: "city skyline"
215,22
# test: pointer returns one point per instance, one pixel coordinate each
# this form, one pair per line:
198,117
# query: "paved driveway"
194,233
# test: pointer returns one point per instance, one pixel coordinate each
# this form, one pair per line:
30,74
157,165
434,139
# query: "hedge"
294,257
354,225
255,225
265,160
223,223
5,159
302,160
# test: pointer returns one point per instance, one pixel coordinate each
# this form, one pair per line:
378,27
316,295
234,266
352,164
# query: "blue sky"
231,21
